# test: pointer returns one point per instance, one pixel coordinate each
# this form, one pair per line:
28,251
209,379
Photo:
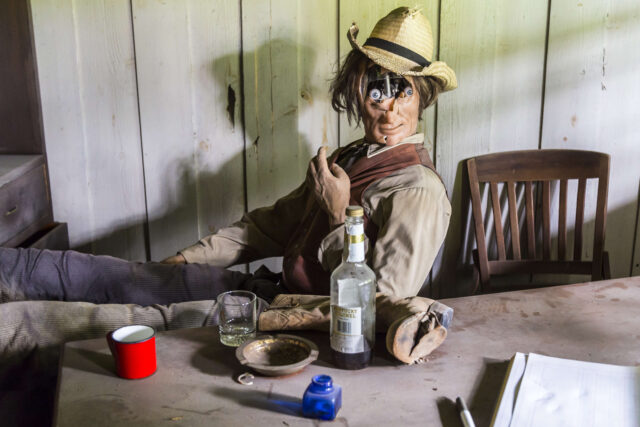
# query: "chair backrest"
539,168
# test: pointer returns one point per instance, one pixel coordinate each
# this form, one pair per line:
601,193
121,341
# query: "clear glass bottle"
353,298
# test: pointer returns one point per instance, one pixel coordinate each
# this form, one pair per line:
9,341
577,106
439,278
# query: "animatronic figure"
49,297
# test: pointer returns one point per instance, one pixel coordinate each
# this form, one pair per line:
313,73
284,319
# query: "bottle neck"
354,239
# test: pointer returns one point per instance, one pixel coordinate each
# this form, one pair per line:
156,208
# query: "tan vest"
302,272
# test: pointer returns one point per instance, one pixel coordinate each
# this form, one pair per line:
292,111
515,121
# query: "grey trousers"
50,297
33,274
86,295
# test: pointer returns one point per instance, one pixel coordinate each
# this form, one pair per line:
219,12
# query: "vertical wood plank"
513,220
21,119
546,220
90,114
288,58
579,224
591,104
530,209
188,72
562,221
214,32
497,219
496,49
366,18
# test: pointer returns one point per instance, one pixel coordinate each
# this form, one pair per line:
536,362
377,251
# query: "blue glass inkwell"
322,399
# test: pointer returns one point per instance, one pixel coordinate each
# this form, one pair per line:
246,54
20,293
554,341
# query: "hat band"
398,50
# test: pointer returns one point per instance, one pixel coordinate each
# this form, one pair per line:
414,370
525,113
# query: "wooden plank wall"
165,120
187,56
88,91
287,60
591,103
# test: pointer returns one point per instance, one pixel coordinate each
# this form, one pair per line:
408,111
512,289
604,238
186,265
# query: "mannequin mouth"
390,130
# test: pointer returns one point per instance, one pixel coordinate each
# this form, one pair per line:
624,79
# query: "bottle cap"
355,210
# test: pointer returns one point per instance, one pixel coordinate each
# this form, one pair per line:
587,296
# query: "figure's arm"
264,232
412,225
260,233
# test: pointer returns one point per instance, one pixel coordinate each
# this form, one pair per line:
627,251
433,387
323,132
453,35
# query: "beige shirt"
410,208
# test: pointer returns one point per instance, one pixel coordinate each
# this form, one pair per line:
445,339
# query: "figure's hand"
175,259
331,187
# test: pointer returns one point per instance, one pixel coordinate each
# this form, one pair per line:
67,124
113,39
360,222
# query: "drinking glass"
237,317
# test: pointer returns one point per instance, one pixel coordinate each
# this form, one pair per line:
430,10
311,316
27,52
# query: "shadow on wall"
273,162
457,275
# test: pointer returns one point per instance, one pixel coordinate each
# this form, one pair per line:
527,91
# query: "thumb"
338,171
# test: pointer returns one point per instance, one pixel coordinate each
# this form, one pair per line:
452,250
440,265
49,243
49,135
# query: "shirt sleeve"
261,233
412,225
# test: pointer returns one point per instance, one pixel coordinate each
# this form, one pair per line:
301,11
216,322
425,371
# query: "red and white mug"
134,351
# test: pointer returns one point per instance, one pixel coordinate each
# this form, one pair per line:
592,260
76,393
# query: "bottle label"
346,329
354,240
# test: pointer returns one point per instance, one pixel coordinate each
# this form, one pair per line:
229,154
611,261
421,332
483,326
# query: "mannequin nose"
392,109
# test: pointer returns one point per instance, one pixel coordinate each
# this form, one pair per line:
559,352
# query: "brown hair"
352,76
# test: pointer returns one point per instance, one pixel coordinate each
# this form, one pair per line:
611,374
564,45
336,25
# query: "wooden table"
195,383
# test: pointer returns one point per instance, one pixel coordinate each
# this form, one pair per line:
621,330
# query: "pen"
465,415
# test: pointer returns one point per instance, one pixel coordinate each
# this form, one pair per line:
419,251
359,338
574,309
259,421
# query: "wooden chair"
538,168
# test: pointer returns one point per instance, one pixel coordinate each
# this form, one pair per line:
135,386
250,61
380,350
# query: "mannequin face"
391,120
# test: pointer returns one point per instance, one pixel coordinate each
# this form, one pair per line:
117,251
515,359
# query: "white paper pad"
560,392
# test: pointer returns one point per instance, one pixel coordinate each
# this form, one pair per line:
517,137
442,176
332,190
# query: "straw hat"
402,42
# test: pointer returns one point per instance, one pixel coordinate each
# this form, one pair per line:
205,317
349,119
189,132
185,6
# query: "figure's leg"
32,332
36,274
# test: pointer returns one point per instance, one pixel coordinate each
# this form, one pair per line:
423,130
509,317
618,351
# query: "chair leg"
606,268
480,284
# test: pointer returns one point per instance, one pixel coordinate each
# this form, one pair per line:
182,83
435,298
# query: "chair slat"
546,220
483,260
577,244
513,217
530,208
497,220
562,221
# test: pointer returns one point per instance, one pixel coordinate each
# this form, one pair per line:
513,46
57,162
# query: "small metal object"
387,85
443,313
246,378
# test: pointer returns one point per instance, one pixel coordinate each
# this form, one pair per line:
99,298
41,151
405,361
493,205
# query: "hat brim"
403,66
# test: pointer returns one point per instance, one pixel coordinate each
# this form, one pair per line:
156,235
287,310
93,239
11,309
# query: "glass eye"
375,94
